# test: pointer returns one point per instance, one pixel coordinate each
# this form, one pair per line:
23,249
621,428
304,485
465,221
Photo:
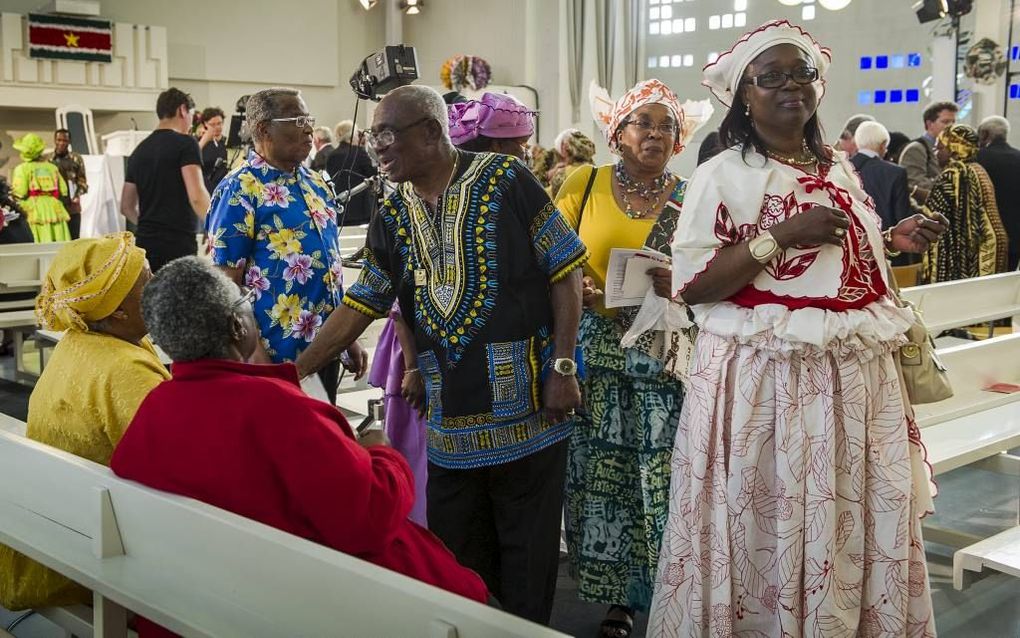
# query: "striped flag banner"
69,38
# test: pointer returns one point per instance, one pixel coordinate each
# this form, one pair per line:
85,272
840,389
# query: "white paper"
312,385
627,279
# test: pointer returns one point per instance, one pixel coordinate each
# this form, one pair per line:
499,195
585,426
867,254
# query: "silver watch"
565,367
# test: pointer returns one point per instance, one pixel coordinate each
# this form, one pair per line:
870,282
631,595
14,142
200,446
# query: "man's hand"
412,388
356,360
373,437
662,281
560,396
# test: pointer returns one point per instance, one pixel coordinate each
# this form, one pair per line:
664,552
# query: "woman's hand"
589,293
412,388
662,281
915,233
817,225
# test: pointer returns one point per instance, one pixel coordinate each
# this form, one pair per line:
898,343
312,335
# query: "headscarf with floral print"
609,115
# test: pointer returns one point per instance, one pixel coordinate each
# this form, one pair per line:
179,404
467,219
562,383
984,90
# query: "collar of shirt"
931,140
268,172
198,369
867,151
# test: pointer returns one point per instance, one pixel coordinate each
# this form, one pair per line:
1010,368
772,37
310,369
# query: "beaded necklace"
804,158
649,192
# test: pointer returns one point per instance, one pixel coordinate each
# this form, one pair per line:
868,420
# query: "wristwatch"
566,367
764,247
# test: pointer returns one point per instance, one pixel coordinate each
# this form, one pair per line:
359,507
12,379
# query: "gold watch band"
764,247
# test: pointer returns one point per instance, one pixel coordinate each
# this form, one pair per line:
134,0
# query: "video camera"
384,71
234,137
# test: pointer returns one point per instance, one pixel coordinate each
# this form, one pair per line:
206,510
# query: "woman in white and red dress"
798,475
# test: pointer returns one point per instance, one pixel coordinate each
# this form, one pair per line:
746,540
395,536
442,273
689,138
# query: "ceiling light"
834,5
368,4
790,3
411,7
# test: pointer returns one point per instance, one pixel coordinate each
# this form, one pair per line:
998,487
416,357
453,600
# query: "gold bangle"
887,237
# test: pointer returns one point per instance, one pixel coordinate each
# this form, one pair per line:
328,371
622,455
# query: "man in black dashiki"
487,272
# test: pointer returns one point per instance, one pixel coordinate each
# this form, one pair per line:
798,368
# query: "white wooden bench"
20,323
202,571
976,427
22,269
966,302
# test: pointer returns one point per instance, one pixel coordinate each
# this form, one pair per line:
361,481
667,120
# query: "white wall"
220,50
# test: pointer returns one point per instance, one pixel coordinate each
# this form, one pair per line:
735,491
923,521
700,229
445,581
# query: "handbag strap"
587,194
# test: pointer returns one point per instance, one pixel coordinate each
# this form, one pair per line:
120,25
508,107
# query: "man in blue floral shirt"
274,231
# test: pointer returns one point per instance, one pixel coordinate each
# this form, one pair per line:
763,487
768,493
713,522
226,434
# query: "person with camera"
487,272
72,168
214,148
273,228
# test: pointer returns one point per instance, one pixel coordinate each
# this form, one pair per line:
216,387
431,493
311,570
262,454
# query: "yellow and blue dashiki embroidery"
482,313
279,229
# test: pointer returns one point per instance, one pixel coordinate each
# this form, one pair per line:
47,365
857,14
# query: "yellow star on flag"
72,39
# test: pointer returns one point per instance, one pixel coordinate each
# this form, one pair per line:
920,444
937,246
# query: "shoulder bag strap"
584,198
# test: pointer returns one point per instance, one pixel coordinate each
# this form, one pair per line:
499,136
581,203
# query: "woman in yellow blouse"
618,468
97,376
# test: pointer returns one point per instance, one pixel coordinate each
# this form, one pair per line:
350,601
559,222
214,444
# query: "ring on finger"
840,232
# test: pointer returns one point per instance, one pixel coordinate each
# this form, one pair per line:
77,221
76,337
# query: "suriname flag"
69,38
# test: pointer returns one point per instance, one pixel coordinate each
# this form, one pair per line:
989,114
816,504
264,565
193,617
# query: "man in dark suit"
884,181
1002,163
322,140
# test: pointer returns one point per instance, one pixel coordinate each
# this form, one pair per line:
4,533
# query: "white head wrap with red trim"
723,76
690,115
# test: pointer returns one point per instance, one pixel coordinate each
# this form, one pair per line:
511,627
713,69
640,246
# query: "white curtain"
631,42
575,54
605,32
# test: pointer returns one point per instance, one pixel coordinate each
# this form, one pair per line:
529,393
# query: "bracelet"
887,237
410,370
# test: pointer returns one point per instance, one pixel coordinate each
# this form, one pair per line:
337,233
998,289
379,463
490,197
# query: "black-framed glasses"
388,135
777,79
647,126
300,121
247,296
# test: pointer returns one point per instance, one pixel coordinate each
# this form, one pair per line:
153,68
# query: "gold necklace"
804,158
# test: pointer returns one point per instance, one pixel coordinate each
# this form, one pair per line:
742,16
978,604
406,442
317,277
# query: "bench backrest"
201,571
954,304
20,249
971,368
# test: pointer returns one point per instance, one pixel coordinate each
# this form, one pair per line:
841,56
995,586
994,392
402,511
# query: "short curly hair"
187,307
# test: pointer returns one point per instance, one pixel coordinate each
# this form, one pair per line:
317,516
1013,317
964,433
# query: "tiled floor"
971,500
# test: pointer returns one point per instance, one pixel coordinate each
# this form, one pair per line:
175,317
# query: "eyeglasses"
389,134
645,126
777,79
247,296
300,121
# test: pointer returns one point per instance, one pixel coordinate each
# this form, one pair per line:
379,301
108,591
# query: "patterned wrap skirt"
798,484
618,467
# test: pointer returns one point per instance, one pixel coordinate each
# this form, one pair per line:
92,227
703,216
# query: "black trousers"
504,522
160,250
74,225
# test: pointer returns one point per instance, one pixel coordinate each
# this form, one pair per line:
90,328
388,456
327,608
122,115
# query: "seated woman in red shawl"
245,438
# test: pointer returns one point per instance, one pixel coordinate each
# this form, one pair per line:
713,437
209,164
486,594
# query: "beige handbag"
924,376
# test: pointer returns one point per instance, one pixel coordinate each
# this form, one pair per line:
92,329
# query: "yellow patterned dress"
84,414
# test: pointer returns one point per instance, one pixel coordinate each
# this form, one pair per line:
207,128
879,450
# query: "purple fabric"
495,115
403,425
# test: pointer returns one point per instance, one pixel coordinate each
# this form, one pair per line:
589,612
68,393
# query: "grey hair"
262,106
323,134
850,128
996,126
424,101
187,307
871,135
343,132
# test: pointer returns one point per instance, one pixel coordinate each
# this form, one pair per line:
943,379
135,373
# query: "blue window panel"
864,97
913,95
1014,91
1016,52
898,61
865,62
913,59
895,96
881,61
880,96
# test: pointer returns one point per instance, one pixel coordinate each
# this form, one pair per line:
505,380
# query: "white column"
991,20
943,54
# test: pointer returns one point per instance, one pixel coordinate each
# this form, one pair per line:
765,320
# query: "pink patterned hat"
495,115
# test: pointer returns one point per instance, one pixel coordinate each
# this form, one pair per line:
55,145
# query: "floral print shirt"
279,229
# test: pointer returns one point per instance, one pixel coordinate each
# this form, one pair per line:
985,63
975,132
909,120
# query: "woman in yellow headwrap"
98,375
39,186
976,243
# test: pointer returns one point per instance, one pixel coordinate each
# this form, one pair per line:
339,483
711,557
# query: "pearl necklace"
649,192
804,158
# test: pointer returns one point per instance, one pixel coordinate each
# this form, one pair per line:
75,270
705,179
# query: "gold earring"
747,110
